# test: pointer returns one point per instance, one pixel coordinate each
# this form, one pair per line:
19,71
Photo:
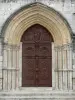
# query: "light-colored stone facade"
49,14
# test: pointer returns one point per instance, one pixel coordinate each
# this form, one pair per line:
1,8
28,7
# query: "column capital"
11,47
68,46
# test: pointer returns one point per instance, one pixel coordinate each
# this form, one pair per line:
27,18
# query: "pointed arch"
36,13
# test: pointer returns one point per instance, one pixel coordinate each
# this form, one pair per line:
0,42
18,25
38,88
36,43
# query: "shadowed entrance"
36,57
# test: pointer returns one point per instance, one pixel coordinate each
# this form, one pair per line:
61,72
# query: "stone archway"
20,21
40,14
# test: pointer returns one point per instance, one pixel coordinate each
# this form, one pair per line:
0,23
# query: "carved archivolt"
37,14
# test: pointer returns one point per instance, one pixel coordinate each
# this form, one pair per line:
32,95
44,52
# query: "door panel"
28,49
45,49
28,72
36,57
45,73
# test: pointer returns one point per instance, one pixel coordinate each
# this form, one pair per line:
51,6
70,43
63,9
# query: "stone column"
65,80
4,69
15,68
60,66
70,66
1,60
56,69
13,72
20,65
53,68
73,69
9,67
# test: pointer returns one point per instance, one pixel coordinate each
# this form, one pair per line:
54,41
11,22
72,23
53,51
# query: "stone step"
23,95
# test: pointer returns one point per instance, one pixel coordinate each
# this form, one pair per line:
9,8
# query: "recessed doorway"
36,57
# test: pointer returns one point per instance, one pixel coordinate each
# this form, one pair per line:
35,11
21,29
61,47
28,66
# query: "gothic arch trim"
36,13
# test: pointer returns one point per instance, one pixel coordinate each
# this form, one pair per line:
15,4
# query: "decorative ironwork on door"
36,57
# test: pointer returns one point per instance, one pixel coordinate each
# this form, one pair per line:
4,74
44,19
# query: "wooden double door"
36,57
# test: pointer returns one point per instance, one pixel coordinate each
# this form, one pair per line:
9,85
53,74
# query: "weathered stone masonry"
63,55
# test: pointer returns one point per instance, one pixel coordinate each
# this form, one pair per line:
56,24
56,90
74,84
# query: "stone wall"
65,7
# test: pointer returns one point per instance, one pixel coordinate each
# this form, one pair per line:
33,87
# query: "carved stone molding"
68,46
7,46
